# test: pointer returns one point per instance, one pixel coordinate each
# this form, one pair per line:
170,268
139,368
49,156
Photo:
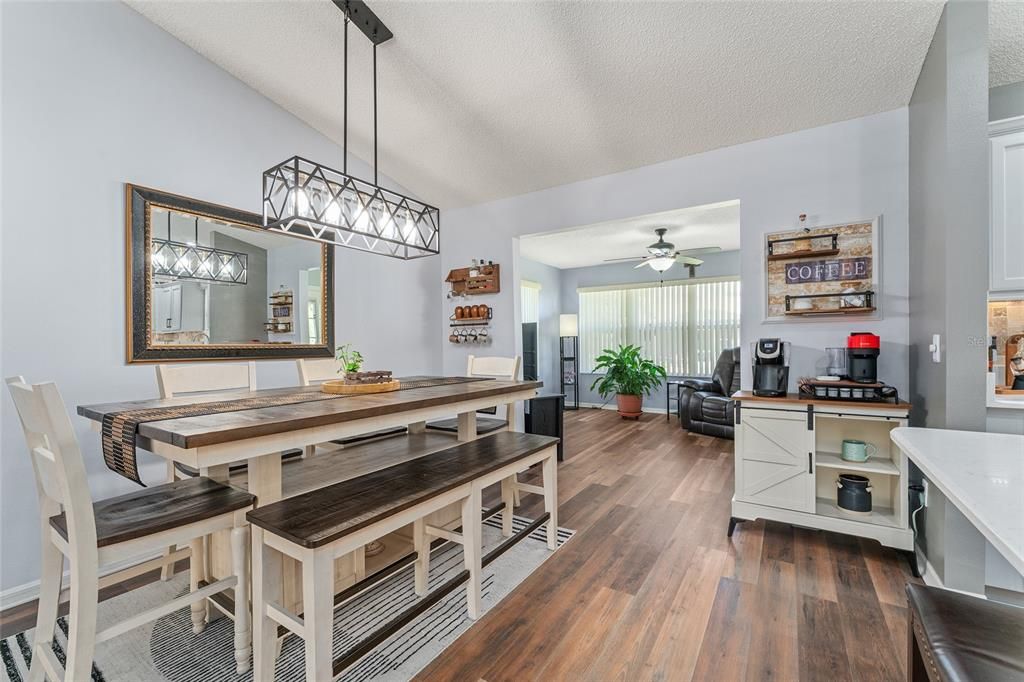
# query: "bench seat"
322,516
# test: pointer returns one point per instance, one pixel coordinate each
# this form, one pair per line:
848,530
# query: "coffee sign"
837,270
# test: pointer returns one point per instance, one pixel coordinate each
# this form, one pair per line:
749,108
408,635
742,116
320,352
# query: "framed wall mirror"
207,282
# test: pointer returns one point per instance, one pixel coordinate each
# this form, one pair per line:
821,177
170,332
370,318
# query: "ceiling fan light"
662,263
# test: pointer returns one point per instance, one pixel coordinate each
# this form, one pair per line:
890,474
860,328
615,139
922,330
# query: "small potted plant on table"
628,376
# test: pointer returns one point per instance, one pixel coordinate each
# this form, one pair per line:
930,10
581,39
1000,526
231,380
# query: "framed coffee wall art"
822,271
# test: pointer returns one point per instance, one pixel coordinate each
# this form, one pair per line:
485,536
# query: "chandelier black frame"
182,260
312,201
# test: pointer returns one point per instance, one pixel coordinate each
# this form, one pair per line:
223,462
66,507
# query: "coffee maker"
862,357
770,360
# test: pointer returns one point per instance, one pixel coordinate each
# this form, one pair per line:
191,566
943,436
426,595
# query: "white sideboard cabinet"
788,461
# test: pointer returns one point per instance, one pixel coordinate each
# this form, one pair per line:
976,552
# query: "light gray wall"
721,264
1006,101
237,312
550,280
94,96
845,171
949,262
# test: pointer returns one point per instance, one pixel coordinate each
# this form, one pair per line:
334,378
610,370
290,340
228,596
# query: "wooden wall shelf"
488,281
833,311
805,253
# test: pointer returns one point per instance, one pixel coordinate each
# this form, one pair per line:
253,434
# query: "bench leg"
266,588
471,541
551,499
197,572
508,494
421,543
318,614
240,564
167,572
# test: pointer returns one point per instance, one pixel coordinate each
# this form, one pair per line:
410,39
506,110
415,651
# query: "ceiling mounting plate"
365,20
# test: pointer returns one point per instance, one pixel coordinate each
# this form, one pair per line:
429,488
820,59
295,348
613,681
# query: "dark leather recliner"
704,404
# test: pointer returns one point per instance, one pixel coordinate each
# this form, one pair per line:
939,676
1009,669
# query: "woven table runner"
120,428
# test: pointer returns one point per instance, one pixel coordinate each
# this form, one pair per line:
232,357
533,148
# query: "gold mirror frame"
139,287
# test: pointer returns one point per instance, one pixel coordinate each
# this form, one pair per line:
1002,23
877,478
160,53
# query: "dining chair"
97,535
315,372
493,368
177,380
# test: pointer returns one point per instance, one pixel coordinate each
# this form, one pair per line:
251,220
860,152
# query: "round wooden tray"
340,387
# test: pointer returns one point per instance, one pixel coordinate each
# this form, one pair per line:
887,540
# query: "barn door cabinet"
788,461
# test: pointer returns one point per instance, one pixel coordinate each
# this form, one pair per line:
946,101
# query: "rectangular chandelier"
195,262
306,199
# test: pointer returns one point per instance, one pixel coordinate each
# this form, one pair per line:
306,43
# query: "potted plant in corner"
627,375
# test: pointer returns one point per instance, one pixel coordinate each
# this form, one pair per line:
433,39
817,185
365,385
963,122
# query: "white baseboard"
611,406
20,594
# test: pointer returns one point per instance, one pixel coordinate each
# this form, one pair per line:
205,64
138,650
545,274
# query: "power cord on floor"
919,489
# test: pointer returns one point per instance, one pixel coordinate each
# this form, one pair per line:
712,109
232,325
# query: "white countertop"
982,474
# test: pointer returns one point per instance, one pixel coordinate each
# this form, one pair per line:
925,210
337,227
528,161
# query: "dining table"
213,443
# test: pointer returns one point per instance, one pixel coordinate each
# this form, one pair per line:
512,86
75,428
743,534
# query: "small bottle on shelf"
993,351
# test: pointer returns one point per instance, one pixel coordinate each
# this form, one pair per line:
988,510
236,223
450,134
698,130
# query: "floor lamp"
569,334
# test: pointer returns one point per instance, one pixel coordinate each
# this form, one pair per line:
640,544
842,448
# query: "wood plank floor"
652,589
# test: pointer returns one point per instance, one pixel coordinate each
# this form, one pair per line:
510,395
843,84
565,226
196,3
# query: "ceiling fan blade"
688,260
640,265
616,260
695,252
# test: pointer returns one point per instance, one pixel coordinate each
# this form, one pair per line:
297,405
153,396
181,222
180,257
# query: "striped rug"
168,651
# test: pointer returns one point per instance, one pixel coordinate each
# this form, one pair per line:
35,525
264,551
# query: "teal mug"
857,450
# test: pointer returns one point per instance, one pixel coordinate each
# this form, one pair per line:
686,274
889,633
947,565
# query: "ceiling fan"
662,255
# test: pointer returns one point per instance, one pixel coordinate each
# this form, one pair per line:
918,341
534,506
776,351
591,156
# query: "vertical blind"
682,326
529,300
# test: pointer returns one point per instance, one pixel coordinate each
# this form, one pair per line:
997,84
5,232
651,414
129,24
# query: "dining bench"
317,527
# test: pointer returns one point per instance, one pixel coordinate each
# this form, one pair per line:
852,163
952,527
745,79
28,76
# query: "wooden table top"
212,429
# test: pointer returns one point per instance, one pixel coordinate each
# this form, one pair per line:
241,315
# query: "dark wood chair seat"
955,636
160,508
322,516
484,425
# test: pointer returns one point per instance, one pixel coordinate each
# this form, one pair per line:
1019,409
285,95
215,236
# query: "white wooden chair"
92,536
315,372
176,380
494,368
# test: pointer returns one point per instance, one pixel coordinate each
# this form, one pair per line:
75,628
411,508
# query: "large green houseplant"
627,375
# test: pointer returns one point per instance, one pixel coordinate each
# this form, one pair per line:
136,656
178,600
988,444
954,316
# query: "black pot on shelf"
853,493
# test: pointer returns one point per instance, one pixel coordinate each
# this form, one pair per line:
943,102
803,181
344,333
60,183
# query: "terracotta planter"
629,405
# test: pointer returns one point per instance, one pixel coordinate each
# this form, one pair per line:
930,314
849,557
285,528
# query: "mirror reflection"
214,282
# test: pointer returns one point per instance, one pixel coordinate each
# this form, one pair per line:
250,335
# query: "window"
529,300
682,326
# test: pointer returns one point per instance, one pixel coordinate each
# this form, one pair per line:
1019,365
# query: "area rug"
166,650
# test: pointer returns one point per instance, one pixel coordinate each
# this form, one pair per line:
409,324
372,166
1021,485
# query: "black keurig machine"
771,367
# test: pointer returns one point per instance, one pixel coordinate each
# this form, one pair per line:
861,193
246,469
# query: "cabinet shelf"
879,516
875,465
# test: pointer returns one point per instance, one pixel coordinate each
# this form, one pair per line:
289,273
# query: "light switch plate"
935,348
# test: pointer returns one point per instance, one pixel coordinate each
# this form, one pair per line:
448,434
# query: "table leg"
217,557
467,426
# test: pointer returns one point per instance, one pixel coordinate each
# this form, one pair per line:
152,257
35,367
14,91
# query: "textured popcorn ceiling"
482,100
688,228
1006,42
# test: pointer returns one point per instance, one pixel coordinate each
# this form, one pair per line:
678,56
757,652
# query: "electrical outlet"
924,495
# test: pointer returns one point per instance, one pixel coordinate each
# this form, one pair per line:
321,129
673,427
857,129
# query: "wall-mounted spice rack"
486,280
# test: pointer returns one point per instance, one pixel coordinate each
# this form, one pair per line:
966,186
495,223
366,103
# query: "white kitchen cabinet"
1006,260
788,460
179,307
776,467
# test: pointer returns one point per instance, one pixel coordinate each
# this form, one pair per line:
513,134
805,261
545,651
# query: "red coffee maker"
862,357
